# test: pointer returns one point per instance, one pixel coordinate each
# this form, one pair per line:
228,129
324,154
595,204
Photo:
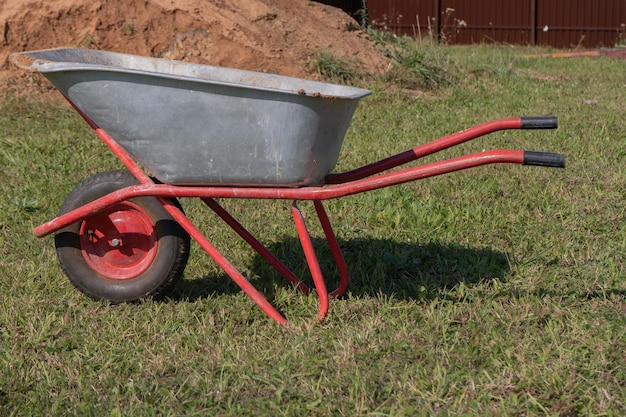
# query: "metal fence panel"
570,23
485,21
559,23
403,16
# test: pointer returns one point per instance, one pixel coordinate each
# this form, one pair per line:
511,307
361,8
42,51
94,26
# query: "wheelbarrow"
189,130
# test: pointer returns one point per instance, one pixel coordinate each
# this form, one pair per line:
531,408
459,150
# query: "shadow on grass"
375,266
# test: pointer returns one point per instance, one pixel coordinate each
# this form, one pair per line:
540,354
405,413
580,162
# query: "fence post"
533,22
437,19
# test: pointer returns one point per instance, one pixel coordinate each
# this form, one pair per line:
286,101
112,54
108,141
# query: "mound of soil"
277,36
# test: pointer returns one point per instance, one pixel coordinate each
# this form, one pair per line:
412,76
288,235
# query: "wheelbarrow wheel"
130,251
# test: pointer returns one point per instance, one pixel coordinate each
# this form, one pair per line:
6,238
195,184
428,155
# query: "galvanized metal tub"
192,124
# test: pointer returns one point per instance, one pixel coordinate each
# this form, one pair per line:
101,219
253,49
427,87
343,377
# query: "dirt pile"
277,36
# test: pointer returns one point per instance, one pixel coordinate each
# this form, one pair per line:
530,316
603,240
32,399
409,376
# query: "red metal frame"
359,180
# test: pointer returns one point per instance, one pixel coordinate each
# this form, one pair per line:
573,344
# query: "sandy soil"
277,36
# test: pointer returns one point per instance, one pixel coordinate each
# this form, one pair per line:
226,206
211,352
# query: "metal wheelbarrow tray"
210,132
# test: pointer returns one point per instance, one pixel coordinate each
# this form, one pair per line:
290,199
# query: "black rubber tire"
156,279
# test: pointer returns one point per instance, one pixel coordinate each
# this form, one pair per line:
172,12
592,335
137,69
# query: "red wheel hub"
120,242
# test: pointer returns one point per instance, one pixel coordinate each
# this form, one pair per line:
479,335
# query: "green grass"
495,291
335,69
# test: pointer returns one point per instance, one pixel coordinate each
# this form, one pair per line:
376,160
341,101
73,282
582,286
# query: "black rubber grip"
544,159
540,122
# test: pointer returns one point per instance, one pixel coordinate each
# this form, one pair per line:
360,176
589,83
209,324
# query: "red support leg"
331,239
314,267
256,245
307,247
236,276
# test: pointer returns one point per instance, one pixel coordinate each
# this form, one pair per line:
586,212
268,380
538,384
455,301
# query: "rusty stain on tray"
301,92
326,96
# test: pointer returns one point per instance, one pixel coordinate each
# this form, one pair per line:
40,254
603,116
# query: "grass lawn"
494,291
